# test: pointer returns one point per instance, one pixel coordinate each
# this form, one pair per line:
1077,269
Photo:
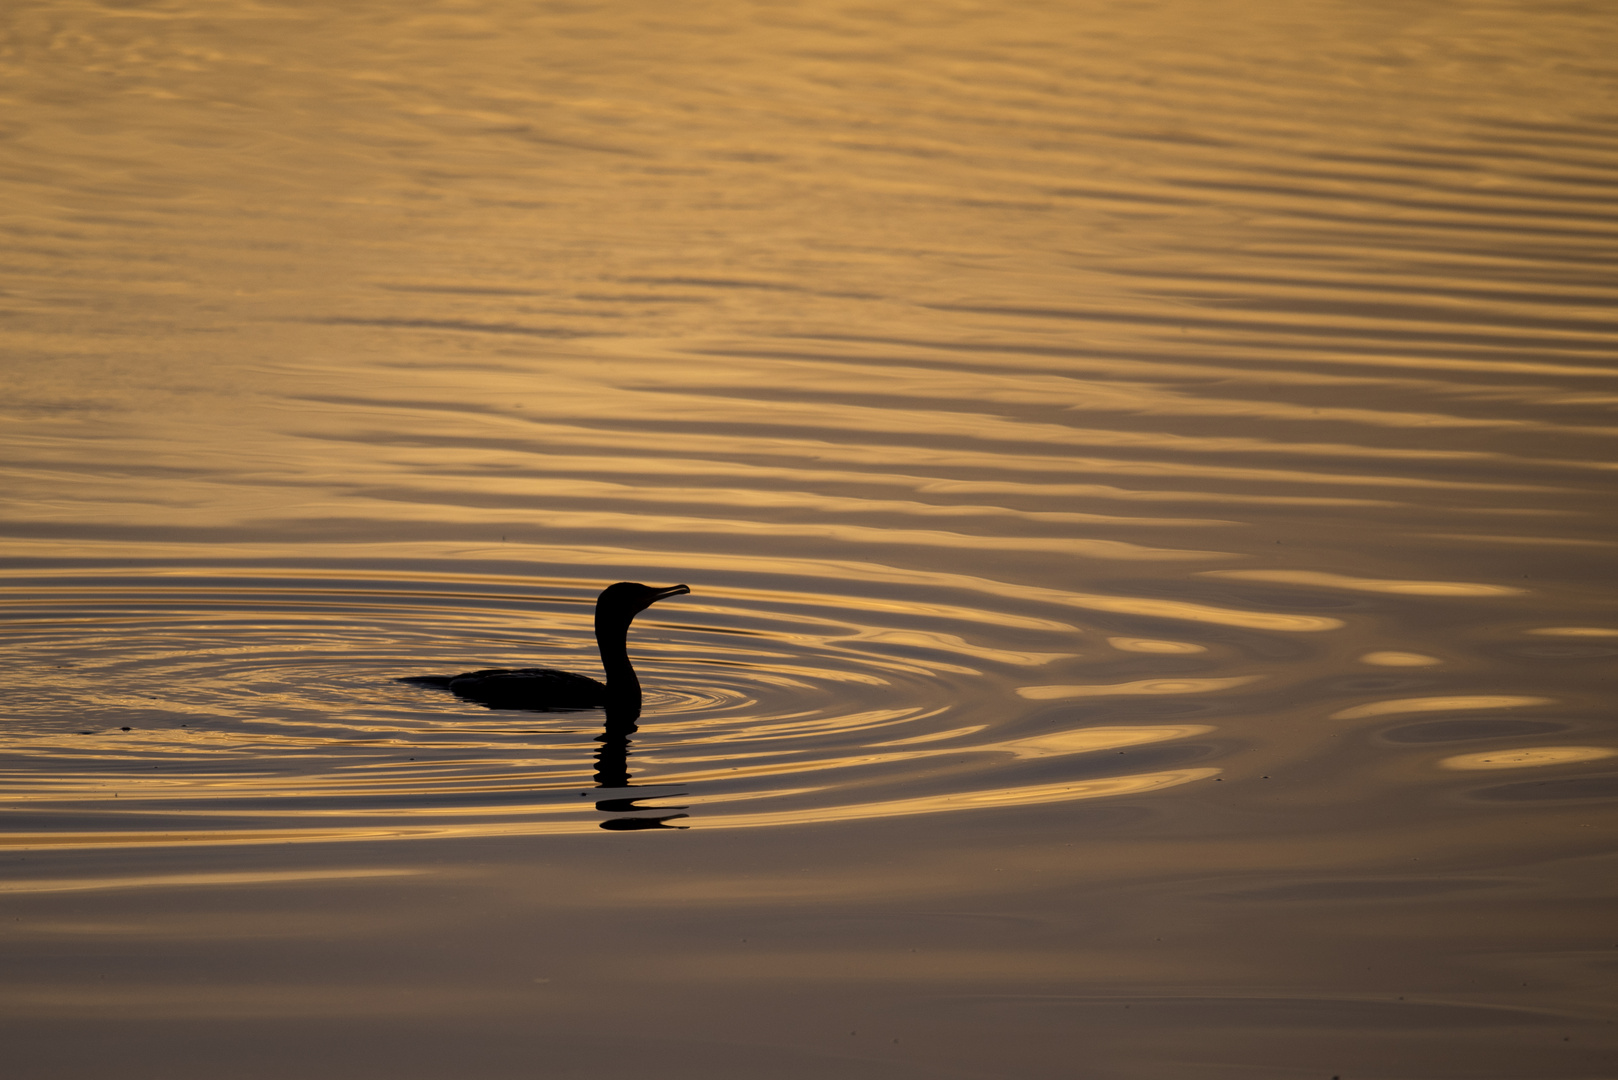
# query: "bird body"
548,688
515,687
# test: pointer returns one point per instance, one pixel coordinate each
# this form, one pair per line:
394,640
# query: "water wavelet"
233,704
549,688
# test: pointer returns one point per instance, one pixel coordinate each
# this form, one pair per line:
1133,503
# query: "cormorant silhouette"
547,688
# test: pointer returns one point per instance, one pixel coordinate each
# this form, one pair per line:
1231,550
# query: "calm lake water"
1225,387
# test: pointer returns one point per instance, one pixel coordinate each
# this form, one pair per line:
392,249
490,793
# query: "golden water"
1144,473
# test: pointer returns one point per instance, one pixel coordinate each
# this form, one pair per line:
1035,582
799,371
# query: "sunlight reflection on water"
1155,459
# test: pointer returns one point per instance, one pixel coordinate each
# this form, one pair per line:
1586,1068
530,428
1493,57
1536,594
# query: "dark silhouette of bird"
548,688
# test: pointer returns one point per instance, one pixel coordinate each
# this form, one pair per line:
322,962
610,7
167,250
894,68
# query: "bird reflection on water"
612,772
545,689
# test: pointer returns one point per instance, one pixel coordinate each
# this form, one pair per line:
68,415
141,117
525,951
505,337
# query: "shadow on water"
612,773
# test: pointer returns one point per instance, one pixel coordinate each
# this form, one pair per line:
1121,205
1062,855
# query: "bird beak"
672,590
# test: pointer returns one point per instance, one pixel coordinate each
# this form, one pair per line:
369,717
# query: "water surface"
1144,473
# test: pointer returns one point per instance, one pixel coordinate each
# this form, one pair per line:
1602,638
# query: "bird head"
627,599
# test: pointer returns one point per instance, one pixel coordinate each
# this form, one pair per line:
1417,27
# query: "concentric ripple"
250,704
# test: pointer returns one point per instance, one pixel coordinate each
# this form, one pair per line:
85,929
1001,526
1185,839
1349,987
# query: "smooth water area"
1144,473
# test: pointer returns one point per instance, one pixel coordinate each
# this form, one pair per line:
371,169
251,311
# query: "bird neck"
623,689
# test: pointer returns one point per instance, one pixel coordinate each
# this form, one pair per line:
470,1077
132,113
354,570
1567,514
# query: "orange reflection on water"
974,800
1075,741
1203,613
1395,658
174,881
1153,645
1137,688
1446,703
865,317
1358,584
405,822
1575,631
1081,740
1527,757
844,572
984,799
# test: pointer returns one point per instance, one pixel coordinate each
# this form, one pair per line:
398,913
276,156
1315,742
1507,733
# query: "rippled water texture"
1144,474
